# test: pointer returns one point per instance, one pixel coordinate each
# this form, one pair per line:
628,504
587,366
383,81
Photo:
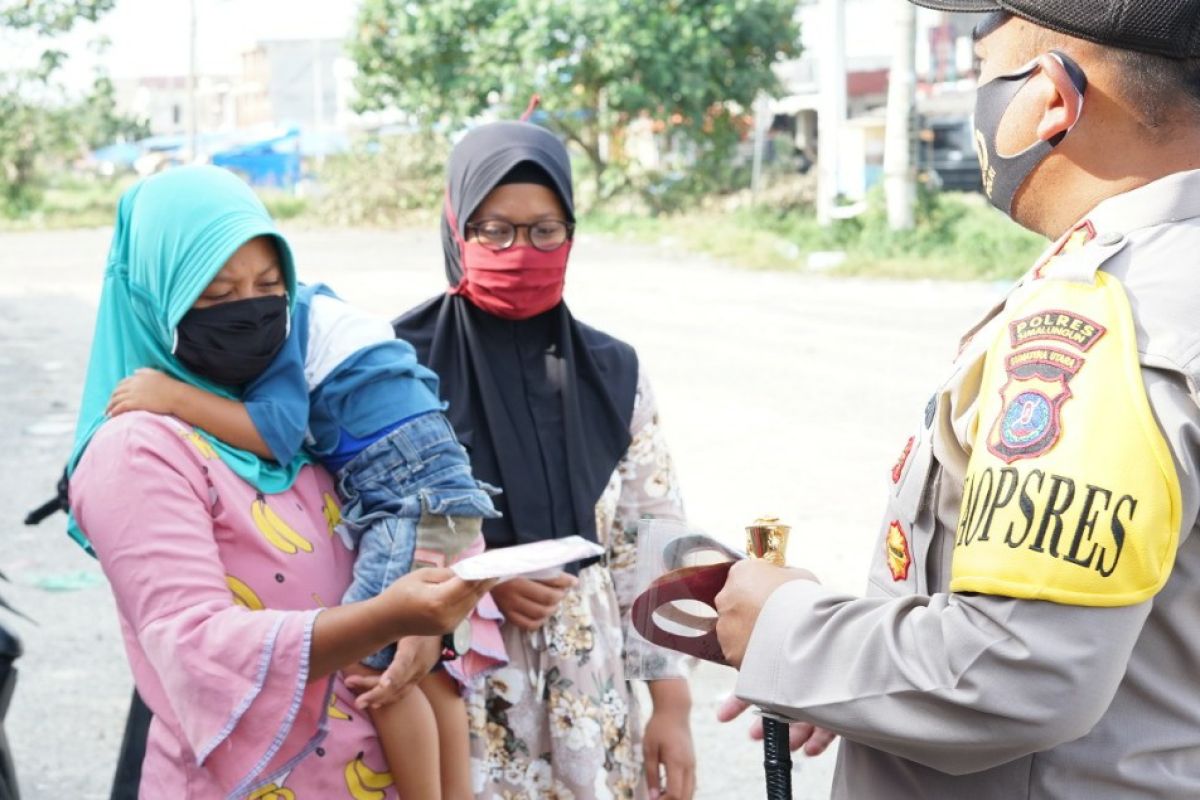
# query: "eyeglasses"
500,234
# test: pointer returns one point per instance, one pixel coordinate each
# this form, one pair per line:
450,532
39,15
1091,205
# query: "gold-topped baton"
766,540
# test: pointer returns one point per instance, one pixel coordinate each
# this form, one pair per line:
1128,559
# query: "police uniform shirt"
1032,622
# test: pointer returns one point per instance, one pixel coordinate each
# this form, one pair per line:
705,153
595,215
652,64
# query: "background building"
945,71
292,83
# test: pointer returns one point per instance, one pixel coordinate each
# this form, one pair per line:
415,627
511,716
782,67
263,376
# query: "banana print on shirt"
281,535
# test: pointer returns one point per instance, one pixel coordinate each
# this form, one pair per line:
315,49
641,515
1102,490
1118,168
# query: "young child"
355,397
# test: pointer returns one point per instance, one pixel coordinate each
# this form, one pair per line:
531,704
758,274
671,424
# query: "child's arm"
228,420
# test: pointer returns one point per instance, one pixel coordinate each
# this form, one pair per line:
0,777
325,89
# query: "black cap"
1167,27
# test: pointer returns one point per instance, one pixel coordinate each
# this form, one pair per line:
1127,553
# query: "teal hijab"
174,233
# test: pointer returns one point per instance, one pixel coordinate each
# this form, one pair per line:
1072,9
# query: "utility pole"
318,86
192,115
899,175
832,113
318,127
762,119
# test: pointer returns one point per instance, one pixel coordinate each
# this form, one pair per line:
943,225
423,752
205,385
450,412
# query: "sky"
150,37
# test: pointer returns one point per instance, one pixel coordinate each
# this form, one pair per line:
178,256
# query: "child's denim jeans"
414,483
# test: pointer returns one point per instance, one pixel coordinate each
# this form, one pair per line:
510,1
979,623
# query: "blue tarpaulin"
268,162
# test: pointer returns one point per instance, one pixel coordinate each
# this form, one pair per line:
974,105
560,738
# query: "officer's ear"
1060,99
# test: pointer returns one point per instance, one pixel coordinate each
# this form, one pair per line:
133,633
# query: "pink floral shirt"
217,589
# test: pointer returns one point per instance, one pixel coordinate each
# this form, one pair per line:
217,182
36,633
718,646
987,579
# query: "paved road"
780,393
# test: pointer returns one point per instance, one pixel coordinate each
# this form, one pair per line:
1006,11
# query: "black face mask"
233,343
1003,175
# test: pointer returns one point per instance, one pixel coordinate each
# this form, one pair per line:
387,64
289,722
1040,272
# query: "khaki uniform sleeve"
958,682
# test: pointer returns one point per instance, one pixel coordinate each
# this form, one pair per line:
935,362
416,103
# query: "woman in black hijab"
559,416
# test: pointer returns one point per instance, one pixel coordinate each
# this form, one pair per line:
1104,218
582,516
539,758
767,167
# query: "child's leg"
442,539
408,736
453,735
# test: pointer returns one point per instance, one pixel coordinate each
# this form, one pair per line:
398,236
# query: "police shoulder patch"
899,557
1071,493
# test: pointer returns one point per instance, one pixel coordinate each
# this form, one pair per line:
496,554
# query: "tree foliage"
597,65
51,17
39,124
47,19
97,122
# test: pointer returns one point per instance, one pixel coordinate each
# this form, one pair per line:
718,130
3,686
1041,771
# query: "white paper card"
536,559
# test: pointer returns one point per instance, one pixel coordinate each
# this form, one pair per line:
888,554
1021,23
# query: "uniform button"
1109,239
930,410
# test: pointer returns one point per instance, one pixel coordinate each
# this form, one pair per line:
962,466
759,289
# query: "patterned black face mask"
1003,175
232,343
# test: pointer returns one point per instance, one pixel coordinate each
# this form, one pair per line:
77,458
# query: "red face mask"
517,283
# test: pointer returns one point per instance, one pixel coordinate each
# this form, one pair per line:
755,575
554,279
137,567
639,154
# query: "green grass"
283,206
958,237
72,202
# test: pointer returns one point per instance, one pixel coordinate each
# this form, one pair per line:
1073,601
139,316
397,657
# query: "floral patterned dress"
560,721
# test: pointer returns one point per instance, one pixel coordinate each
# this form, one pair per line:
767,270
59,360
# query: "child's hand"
415,657
145,390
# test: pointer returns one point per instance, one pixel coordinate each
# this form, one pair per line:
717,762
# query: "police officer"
1032,621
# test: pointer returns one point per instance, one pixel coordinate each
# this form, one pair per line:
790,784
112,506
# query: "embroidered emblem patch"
1061,326
899,558
1074,239
1030,421
898,469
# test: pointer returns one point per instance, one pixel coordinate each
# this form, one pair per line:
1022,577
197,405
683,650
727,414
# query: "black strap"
128,777
57,503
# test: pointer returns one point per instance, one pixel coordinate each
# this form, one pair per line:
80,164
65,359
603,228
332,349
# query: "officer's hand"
813,738
746,590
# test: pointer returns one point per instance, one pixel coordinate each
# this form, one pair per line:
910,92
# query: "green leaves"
385,183
597,65
51,17
97,122
39,124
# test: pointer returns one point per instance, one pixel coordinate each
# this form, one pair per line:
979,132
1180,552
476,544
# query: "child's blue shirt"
341,381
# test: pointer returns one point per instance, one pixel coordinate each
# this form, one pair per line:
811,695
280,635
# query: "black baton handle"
777,759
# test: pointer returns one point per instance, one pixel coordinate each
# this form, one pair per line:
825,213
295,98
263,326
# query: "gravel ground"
781,393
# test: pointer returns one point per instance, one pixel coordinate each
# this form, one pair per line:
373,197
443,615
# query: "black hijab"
543,405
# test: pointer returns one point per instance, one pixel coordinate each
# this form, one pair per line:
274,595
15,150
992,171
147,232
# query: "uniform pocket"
911,473
896,564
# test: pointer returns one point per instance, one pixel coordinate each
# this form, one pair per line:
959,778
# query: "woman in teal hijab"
220,560
174,233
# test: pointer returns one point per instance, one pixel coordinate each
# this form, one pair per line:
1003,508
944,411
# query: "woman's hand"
814,739
667,742
424,602
145,390
415,657
527,603
432,601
